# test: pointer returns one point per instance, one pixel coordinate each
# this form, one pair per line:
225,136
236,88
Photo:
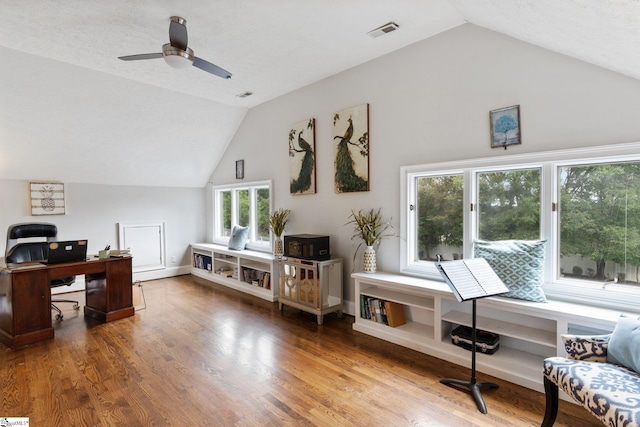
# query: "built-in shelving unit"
529,332
252,272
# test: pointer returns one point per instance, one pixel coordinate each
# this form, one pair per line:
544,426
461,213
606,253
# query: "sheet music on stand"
471,278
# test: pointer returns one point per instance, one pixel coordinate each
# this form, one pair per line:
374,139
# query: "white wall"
429,102
94,211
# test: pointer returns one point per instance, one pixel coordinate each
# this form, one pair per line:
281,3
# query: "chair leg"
60,316
76,304
551,410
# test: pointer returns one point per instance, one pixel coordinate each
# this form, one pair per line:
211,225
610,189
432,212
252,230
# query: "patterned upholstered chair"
609,391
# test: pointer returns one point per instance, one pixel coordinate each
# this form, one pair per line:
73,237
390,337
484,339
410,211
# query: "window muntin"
247,205
599,222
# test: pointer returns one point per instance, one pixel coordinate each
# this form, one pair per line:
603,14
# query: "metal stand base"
472,385
474,388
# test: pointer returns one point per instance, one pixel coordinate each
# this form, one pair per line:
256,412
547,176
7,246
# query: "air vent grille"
386,28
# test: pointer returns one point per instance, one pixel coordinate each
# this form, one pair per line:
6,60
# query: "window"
509,205
247,204
601,202
438,217
585,203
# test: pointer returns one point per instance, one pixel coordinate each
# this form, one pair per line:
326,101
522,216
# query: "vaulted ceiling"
67,99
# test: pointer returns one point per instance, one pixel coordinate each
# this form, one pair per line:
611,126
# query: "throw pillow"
519,263
238,238
625,342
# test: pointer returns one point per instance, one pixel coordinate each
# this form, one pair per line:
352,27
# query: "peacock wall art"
351,138
302,158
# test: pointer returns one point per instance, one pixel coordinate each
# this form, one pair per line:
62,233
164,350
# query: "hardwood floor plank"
200,354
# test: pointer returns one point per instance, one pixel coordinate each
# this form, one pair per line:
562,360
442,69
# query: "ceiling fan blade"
141,56
178,33
211,68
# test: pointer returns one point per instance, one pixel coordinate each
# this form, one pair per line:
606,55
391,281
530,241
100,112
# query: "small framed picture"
239,169
47,198
505,127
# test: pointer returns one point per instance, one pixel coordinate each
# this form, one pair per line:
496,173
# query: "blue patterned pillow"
625,342
238,238
519,263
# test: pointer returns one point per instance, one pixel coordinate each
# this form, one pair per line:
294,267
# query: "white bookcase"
529,332
251,272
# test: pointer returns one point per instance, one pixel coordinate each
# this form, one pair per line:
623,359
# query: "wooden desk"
25,296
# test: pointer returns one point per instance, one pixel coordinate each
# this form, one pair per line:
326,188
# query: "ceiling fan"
177,54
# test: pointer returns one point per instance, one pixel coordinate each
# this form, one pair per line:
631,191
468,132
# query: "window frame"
253,242
555,287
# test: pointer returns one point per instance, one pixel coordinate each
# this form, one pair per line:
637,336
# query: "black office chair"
36,251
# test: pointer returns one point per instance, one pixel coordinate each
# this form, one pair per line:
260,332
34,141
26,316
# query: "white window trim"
252,242
618,296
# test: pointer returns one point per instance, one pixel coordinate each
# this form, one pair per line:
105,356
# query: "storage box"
307,246
486,342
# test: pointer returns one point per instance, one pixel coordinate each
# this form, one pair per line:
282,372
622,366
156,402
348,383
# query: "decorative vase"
278,247
369,260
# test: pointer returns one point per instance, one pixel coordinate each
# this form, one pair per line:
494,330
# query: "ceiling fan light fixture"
177,58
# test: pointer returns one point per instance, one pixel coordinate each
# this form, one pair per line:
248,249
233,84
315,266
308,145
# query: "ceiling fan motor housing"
177,58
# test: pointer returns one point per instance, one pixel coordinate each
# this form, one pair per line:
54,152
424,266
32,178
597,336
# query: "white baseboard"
142,276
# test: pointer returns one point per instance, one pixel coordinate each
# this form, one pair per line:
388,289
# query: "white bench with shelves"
529,332
251,272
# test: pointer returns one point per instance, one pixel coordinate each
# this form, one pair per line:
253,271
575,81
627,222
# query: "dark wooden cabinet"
25,307
25,296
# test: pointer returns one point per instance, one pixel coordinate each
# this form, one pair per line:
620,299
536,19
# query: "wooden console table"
25,296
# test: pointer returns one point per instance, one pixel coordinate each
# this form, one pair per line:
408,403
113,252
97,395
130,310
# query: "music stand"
470,280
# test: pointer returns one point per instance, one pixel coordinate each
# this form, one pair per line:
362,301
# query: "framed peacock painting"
351,141
302,157
47,198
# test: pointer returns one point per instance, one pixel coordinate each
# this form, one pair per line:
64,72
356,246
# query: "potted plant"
277,222
371,229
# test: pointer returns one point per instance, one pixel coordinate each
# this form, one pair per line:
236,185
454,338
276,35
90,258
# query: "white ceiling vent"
386,28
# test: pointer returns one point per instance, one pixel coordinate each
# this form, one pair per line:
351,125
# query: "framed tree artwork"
351,143
302,157
505,127
47,198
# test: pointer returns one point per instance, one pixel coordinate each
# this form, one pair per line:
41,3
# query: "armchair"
32,250
609,391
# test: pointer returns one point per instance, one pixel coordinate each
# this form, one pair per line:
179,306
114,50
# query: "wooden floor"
200,354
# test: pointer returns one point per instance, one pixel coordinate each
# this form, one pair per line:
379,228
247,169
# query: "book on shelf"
257,278
395,314
202,262
381,311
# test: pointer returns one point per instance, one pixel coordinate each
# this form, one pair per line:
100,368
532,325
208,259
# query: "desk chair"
36,251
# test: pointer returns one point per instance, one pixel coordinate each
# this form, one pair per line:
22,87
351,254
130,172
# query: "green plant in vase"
371,229
278,222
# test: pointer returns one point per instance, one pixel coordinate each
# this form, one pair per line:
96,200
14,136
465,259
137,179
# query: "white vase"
369,260
278,247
